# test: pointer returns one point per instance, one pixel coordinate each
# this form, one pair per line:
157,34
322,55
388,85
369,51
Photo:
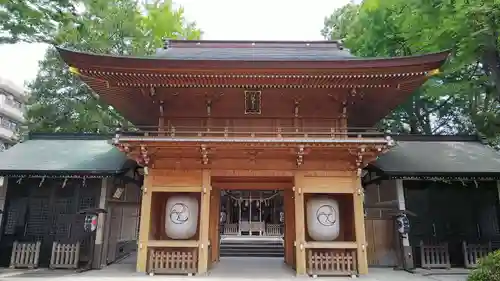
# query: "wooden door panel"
380,236
214,225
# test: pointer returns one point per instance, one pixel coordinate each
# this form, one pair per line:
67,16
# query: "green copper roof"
454,156
57,154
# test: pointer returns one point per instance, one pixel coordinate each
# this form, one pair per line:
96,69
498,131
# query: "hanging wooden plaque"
253,102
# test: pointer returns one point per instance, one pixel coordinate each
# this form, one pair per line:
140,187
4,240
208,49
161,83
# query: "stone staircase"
251,247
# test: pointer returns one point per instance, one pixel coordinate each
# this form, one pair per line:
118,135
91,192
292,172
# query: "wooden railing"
434,255
273,229
253,132
230,229
65,255
25,254
331,262
474,252
173,261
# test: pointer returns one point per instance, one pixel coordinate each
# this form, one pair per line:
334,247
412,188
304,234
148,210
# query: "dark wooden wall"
46,211
452,212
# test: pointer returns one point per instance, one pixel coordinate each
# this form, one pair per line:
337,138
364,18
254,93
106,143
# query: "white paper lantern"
181,217
323,220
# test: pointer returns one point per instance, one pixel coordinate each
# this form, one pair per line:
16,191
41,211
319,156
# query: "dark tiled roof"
254,51
439,156
63,154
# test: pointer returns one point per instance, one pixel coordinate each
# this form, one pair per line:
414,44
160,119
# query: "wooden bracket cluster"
204,154
300,155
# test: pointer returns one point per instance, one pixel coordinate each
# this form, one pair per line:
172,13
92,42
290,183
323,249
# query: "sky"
219,20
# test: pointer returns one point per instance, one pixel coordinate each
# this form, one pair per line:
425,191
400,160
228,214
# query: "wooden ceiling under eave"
376,86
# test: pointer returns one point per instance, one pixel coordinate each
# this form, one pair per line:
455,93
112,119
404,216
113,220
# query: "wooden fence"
65,255
474,252
434,255
230,229
25,255
173,261
330,262
273,229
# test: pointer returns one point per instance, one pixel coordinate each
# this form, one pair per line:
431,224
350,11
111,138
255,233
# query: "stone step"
245,254
273,246
241,248
253,250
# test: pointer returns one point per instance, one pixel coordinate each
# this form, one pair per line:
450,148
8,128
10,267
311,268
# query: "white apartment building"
12,110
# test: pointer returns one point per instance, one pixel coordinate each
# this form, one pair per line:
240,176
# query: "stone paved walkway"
230,269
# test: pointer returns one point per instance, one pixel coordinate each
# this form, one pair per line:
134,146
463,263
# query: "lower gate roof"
63,155
439,156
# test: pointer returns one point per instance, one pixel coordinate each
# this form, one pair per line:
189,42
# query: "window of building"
10,100
8,124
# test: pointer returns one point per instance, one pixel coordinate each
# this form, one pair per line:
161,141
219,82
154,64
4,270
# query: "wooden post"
214,224
144,227
359,223
289,222
204,224
300,227
101,241
3,198
407,258
498,190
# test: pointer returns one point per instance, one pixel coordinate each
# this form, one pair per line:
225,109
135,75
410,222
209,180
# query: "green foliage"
465,98
33,20
488,269
60,102
337,24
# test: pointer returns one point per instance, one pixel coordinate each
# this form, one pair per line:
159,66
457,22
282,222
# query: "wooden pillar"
103,219
144,227
3,198
498,189
289,222
405,241
214,224
359,227
300,228
204,224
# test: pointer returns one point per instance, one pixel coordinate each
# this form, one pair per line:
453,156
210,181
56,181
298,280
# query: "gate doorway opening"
252,222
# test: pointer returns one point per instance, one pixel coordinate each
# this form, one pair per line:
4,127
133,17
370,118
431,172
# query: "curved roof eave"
91,60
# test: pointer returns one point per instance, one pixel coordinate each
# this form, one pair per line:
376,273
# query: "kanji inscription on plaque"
253,102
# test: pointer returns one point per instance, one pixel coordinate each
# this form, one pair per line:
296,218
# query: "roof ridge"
425,137
251,44
68,136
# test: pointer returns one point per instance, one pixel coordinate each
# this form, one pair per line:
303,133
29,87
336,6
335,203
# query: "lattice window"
86,203
10,225
15,216
63,206
61,225
38,217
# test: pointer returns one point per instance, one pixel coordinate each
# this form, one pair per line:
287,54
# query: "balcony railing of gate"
254,132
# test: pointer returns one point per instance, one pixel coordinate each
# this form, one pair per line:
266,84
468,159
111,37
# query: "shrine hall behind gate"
295,117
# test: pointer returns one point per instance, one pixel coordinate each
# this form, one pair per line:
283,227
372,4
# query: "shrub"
488,269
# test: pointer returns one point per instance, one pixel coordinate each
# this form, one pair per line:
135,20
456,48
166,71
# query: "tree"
60,101
33,20
464,98
336,26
